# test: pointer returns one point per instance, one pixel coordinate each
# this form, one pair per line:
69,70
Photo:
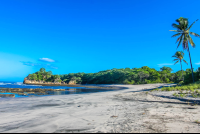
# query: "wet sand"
105,86
128,110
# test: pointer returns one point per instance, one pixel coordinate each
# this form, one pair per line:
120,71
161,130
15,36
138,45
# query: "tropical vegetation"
42,75
183,31
179,57
143,75
184,90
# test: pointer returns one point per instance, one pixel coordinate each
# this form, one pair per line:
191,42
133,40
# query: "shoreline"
30,92
128,110
83,85
110,86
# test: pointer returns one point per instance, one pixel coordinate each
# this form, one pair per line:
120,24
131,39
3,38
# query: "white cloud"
197,63
165,64
46,60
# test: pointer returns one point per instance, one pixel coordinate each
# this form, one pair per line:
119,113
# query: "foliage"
183,31
42,75
143,75
179,57
184,90
180,83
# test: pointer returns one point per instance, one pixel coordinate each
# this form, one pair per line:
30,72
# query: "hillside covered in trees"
143,75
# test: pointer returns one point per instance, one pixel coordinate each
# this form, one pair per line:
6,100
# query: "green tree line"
143,75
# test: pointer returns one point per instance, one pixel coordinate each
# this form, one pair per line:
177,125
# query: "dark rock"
7,95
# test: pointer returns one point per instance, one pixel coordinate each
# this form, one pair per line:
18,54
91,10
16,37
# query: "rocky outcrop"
72,82
56,81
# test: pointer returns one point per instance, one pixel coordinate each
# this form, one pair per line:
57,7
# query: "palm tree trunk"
191,64
182,70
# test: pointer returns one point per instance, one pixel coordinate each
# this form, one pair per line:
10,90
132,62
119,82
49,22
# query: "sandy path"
115,111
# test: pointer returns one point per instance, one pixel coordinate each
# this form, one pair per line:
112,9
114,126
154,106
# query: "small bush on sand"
180,83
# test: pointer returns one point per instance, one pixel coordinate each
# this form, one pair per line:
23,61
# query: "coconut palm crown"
179,57
183,31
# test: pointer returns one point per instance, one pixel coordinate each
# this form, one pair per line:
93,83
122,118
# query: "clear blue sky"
70,36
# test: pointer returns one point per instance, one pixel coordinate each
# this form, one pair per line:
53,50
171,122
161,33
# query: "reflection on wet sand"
29,92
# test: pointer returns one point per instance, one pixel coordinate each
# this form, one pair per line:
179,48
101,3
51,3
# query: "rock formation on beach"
43,77
28,81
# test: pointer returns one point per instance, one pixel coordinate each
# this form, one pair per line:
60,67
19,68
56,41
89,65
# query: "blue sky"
70,36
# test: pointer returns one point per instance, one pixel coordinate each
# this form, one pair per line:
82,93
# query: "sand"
127,110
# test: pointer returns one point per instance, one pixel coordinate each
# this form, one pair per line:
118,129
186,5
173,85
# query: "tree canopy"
143,75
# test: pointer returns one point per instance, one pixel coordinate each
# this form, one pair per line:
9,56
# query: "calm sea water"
68,90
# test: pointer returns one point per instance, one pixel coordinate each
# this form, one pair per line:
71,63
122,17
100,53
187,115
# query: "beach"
134,109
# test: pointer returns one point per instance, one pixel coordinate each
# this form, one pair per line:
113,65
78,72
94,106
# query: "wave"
8,83
32,85
21,84
18,83
12,83
2,83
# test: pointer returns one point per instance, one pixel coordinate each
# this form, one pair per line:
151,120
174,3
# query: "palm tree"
183,29
179,57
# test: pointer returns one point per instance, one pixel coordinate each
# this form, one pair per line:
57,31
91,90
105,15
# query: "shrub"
156,89
131,82
182,95
180,83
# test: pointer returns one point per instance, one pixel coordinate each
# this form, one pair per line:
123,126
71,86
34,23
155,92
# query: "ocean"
68,90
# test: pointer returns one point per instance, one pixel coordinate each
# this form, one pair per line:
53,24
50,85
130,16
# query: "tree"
179,57
34,76
183,29
47,75
172,77
42,70
168,69
39,76
143,74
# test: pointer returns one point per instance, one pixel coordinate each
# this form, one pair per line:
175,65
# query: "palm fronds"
182,29
185,61
191,41
192,24
176,62
176,35
175,59
180,39
179,56
196,35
